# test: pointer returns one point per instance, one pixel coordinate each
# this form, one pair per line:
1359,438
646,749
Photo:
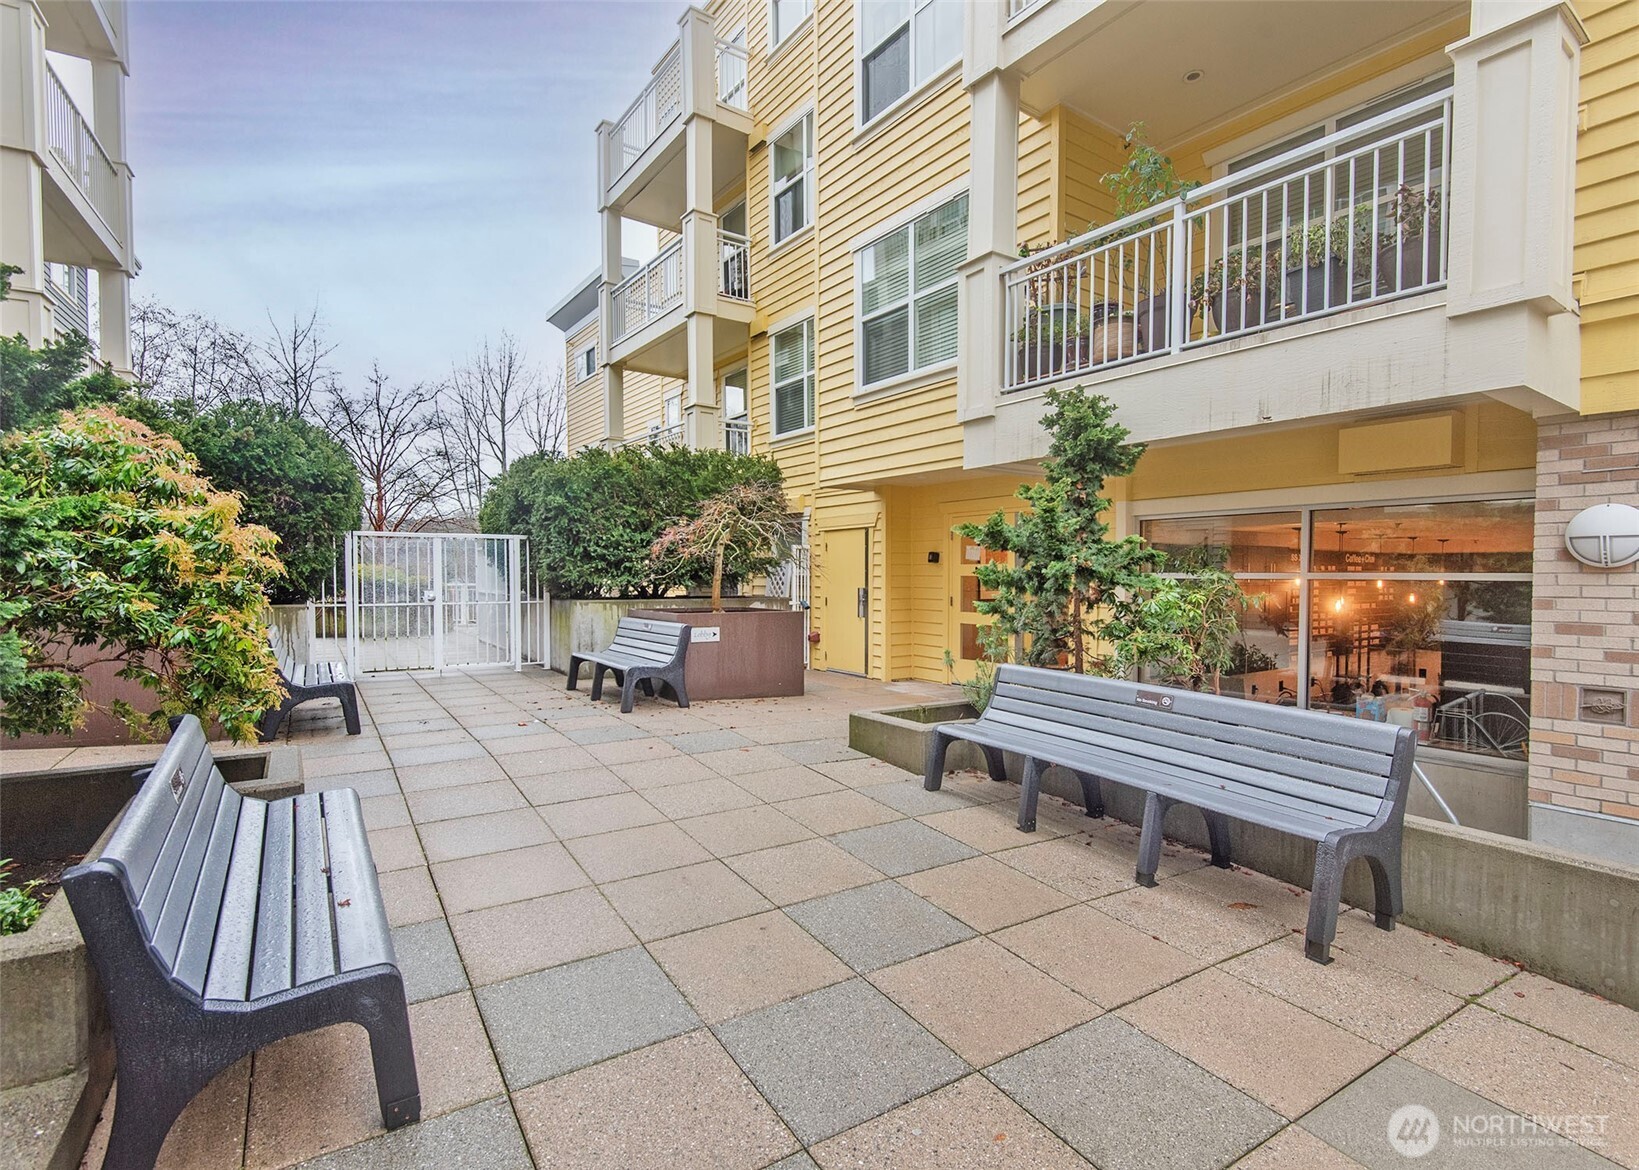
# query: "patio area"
719,938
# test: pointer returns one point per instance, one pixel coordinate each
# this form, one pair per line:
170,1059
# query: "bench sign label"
1154,699
178,783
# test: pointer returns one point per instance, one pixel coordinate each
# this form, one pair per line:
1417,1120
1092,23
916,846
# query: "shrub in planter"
1317,260
1413,259
1052,340
748,525
113,548
1237,289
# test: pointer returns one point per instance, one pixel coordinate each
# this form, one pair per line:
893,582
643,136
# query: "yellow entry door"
847,576
966,622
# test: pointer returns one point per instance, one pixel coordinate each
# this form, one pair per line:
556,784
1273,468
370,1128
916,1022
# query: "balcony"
1349,222
89,186
737,436
648,311
649,294
643,163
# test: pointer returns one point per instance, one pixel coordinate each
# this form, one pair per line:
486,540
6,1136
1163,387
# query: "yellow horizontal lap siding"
1038,168
1087,152
583,400
1607,206
644,396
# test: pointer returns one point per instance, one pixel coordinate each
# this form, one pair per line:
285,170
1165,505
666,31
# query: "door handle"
861,601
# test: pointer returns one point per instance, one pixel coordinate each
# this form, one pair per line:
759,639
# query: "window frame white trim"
808,177
727,372
941,73
775,43
581,375
775,434
913,375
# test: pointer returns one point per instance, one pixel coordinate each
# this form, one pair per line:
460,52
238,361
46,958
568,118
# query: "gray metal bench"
220,923
305,681
1339,782
643,653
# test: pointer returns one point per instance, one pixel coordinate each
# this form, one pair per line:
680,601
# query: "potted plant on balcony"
1147,179
1236,289
1411,256
1318,260
1052,339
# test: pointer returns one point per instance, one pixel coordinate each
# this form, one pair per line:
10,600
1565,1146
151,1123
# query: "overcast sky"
423,172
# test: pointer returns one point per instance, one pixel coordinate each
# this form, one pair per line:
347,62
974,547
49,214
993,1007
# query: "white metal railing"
734,265
663,435
69,137
1352,219
651,291
656,108
737,436
731,75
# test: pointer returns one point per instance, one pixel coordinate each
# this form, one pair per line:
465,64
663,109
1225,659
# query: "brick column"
1584,646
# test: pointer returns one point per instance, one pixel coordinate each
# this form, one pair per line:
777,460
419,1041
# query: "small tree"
110,539
748,525
1186,629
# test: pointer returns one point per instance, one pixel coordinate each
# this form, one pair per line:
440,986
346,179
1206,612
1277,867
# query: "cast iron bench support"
643,653
218,924
1341,783
305,681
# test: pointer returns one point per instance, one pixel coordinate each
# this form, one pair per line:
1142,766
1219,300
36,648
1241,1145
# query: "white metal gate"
433,600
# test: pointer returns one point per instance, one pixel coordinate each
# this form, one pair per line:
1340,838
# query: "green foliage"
981,688
35,384
1145,179
109,539
7,271
18,906
1184,629
1067,582
592,518
748,525
295,479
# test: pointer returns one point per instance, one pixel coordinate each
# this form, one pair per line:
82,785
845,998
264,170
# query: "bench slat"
363,938
1331,787
137,843
201,793
1311,748
229,976
193,953
314,940
271,963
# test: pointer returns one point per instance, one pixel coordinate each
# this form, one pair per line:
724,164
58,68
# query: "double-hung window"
904,43
793,180
907,295
792,359
586,362
784,16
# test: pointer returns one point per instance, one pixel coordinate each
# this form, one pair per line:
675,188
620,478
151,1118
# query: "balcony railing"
731,75
734,265
737,436
649,293
656,108
69,138
1353,219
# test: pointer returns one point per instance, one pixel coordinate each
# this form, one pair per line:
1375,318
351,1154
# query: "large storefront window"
1417,614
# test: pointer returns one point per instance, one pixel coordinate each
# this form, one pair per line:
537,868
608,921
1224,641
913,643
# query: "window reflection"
1264,542
1463,536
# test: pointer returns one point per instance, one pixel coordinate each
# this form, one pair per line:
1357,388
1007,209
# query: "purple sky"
425,172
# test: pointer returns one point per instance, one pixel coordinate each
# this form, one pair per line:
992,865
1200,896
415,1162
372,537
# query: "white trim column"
993,216
22,141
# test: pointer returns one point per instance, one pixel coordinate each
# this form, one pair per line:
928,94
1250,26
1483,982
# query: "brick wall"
1585,628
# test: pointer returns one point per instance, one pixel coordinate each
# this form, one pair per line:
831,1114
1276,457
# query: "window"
792,359
1417,614
784,16
904,43
734,394
907,295
673,408
793,182
586,362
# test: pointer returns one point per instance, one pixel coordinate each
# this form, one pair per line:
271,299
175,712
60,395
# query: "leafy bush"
592,518
109,538
35,384
747,524
18,906
295,479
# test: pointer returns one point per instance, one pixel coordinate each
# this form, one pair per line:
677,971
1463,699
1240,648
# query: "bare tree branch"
390,431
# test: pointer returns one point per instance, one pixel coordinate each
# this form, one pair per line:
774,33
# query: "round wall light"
1605,536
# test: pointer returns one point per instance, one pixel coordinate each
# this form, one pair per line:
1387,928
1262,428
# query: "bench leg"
675,681
393,1056
269,726
350,709
1217,831
1387,904
148,1100
1149,843
1091,795
598,670
574,673
995,762
933,768
647,685
628,692
1324,893
1029,793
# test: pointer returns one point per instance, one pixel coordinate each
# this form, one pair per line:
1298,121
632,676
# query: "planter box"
583,624
1562,915
758,654
56,1052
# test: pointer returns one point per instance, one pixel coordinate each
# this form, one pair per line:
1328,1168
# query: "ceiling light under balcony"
1193,76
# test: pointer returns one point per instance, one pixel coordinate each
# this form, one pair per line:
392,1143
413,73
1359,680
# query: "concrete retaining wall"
1567,917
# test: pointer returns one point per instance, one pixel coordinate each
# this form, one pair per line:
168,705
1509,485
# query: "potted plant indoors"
1411,256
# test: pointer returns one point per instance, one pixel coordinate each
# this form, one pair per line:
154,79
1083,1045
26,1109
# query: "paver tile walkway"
720,939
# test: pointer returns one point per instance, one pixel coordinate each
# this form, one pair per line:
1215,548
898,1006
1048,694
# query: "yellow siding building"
1381,354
